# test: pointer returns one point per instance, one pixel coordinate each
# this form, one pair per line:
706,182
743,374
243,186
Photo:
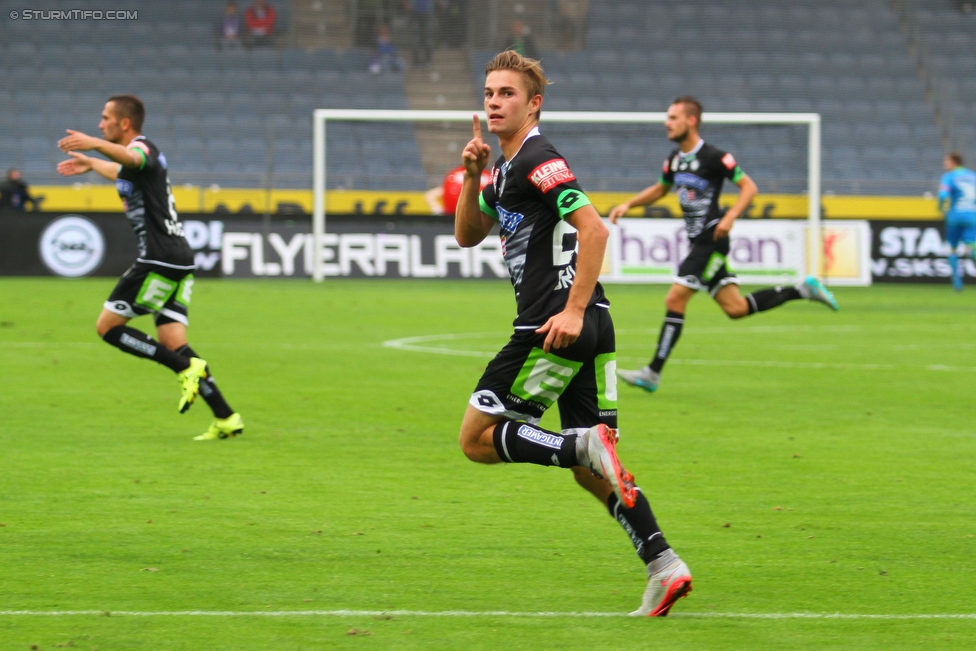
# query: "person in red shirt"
260,19
444,198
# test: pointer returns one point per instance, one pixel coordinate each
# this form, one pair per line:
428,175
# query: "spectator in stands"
386,58
450,22
260,18
572,21
15,194
421,15
522,41
230,27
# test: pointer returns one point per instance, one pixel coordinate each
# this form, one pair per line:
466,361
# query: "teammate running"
563,347
697,170
161,280
957,201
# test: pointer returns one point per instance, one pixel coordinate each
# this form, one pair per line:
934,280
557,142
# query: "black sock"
208,388
524,443
138,343
670,331
640,525
767,299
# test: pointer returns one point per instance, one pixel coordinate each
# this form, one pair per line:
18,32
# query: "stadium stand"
892,80
849,62
235,118
945,39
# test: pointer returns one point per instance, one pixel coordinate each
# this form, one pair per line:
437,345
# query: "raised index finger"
477,127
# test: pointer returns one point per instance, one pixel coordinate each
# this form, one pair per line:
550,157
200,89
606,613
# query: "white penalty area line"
462,614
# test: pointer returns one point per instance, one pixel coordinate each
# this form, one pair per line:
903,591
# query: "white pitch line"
776,364
412,344
463,613
759,329
416,345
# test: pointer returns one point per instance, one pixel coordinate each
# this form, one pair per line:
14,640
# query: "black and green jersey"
698,177
151,209
530,196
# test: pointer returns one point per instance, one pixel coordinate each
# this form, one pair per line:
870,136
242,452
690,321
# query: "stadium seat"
838,53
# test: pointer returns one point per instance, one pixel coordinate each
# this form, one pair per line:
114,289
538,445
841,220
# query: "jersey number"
560,256
173,225
967,190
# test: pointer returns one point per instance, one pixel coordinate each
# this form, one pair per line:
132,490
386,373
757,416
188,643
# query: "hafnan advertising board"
650,250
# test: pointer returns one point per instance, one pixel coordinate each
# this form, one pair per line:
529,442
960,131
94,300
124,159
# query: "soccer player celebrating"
161,280
957,201
563,347
697,170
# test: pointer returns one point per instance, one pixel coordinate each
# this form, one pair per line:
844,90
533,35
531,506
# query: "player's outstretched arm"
592,235
80,164
471,226
747,192
644,197
78,141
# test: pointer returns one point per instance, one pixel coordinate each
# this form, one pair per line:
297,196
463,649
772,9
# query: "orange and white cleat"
664,587
601,448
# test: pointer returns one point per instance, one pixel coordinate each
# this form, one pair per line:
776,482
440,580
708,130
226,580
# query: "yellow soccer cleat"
190,382
223,428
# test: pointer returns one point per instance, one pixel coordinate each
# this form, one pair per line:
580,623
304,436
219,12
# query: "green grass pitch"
801,461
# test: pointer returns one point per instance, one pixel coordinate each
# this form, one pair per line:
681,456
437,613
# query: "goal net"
613,155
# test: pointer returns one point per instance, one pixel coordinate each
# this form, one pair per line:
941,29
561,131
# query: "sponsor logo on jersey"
509,221
162,161
124,187
666,167
691,180
729,161
569,198
542,438
550,174
138,144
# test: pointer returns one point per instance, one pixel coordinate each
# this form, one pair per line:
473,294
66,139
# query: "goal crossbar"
321,116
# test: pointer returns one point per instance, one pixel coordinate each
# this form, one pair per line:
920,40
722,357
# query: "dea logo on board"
72,246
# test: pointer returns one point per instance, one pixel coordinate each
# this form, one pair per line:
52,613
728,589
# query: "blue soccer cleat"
644,378
813,289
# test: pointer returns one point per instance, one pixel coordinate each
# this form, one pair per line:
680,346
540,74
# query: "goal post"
321,117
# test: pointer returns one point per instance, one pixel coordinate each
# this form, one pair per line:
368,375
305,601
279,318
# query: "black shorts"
522,381
707,266
149,288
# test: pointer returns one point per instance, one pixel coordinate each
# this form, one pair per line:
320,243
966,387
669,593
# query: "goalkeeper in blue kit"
957,201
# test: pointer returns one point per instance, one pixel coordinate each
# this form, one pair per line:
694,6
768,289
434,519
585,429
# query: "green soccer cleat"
190,382
223,428
644,378
813,289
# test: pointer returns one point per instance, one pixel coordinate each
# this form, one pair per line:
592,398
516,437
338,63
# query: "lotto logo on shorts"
550,174
542,438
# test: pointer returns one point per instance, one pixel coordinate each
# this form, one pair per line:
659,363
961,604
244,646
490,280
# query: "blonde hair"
531,70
